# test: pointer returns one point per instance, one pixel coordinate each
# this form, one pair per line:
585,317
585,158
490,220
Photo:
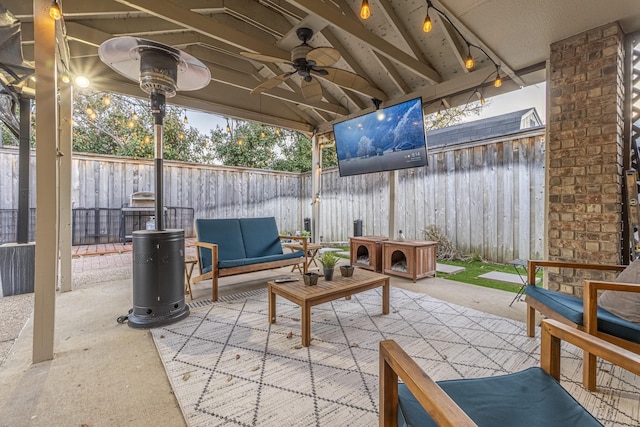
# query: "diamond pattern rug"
229,367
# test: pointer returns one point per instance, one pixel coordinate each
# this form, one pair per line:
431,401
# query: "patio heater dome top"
158,67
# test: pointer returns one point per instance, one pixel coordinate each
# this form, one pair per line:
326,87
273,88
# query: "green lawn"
474,268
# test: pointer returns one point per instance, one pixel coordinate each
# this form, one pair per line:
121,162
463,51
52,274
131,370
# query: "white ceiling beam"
172,12
392,73
335,17
401,29
456,47
477,41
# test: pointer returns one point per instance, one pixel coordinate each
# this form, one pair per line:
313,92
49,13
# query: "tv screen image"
383,140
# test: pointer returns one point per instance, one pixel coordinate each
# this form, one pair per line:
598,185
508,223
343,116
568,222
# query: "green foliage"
475,268
124,127
256,146
328,259
454,115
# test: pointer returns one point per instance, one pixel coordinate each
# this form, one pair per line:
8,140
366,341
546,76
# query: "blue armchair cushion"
225,233
527,398
260,237
572,308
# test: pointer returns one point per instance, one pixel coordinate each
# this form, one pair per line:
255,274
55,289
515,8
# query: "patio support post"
64,190
316,176
22,235
46,177
393,178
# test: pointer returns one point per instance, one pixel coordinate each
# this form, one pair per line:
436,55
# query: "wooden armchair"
583,313
530,397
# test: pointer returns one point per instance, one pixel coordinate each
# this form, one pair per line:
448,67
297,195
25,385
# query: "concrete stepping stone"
344,253
448,269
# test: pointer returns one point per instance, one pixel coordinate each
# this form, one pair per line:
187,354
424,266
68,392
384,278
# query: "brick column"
584,153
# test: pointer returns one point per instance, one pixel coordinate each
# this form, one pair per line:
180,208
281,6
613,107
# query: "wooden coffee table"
308,296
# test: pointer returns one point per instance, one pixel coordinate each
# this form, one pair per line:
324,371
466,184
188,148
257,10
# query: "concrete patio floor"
108,374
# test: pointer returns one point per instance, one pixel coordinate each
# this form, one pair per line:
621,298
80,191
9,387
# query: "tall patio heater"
158,255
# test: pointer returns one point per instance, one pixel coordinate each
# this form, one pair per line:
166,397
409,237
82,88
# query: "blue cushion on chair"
572,308
527,398
260,237
226,234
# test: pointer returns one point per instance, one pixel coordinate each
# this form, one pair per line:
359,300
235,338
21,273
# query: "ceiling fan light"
365,10
427,26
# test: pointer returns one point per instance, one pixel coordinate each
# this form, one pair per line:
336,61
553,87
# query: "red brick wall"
584,151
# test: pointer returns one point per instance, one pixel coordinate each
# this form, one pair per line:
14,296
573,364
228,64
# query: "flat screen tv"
386,139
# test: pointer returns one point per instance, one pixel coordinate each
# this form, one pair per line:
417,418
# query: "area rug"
229,367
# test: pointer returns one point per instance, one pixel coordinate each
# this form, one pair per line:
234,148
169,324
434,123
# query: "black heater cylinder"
158,278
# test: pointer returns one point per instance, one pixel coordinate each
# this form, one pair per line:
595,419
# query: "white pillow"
624,304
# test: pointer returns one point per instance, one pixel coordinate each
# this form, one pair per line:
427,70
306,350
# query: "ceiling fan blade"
263,58
271,83
311,90
345,78
323,56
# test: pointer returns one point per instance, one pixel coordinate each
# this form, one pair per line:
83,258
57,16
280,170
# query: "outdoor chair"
609,323
530,397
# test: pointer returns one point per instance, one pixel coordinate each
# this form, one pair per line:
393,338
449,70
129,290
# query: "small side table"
312,251
189,264
370,246
419,256
520,265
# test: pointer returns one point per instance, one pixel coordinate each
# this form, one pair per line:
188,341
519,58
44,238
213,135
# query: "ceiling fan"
310,62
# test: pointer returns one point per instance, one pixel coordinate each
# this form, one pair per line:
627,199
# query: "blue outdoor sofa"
230,246
585,313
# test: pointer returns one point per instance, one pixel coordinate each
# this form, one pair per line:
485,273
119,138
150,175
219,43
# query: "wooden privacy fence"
487,197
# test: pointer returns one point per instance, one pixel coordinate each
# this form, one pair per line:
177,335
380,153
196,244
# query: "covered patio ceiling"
389,49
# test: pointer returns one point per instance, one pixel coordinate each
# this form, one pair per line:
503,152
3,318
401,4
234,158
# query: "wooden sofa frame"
591,289
395,362
215,272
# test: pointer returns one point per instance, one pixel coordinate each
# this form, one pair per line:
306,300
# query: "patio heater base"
158,278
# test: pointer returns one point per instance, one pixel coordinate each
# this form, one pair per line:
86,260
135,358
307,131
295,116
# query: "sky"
530,96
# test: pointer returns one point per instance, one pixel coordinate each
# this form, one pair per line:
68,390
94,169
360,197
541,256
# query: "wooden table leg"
272,306
306,324
188,271
385,297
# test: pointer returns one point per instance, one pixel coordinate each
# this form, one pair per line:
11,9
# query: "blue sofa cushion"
257,260
527,398
225,233
572,308
260,237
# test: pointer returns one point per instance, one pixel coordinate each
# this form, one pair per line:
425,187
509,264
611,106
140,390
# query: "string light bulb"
469,62
130,124
134,117
427,26
228,127
278,132
54,10
480,97
262,133
185,120
365,10
498,81
89,111
93,116
181,136
106,100
65,79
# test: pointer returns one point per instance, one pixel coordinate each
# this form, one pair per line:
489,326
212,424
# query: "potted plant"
328,260
310,279
346,270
